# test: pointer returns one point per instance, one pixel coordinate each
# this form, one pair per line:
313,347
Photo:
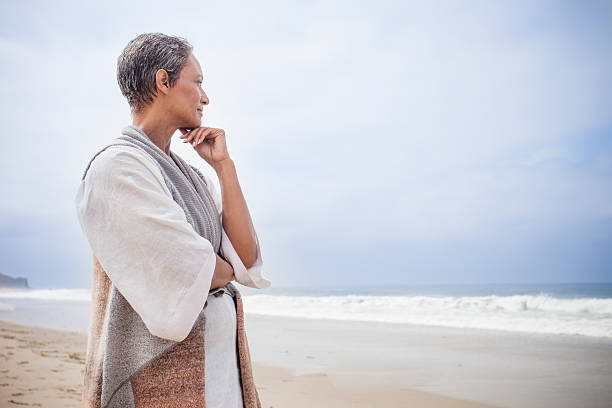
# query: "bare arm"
236,217
224,273
210,145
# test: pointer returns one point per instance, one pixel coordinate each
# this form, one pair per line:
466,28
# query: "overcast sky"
377,143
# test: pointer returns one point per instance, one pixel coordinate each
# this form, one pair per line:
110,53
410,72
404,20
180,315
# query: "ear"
162,81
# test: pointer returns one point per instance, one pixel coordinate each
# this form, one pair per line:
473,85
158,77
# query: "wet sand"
44,368
500,368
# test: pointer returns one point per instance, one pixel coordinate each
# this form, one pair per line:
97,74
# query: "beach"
325,363
499,368
44,368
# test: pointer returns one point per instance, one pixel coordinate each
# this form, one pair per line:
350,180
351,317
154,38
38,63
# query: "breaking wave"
525,313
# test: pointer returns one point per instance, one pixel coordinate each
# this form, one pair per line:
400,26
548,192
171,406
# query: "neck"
156,127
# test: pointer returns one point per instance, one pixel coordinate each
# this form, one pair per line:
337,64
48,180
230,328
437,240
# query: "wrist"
223,166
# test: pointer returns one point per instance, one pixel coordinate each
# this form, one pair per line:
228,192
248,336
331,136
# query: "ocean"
583,309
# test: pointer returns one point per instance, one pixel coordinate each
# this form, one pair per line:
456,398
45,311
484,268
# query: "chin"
198,121
192,124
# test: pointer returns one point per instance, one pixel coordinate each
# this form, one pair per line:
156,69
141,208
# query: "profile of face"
185,100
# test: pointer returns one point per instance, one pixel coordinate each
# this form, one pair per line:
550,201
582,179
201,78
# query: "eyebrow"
200,77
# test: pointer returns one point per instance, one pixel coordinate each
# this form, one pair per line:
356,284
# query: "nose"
204,99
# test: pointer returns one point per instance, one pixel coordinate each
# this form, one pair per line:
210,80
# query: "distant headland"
9,282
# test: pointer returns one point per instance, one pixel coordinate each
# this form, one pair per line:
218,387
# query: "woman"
167,326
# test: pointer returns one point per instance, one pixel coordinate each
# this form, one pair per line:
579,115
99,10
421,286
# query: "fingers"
196,136
187,135
191,135
202,136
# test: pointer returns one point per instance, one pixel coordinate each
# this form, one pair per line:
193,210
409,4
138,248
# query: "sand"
327,363
40,367
500,368
44,368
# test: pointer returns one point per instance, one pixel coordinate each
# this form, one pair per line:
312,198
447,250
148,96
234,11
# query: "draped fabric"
127,365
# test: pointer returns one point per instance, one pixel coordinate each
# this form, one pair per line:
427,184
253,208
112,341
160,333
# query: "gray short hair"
140,60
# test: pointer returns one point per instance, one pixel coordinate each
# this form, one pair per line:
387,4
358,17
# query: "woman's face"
187,97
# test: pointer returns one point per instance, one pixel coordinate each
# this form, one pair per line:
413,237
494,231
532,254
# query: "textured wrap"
126,365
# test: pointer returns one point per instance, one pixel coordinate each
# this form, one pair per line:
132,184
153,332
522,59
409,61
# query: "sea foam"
48,294
541,313
525,313
5,307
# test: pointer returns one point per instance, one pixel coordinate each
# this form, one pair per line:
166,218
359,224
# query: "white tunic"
222,376
160,264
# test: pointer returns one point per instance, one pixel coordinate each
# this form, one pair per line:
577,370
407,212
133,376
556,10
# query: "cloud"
441,129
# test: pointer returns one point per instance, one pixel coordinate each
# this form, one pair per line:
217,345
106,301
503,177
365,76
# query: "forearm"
236,217
224,273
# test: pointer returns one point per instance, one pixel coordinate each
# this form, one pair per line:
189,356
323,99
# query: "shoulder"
119,155
116,158
121,161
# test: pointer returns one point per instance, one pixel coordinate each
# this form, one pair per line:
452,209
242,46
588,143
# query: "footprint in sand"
17,402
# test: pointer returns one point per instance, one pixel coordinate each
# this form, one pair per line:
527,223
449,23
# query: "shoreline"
500,368
44,367
68,309
44,317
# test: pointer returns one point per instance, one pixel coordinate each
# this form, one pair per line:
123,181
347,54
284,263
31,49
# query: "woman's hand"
224,273
208,142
